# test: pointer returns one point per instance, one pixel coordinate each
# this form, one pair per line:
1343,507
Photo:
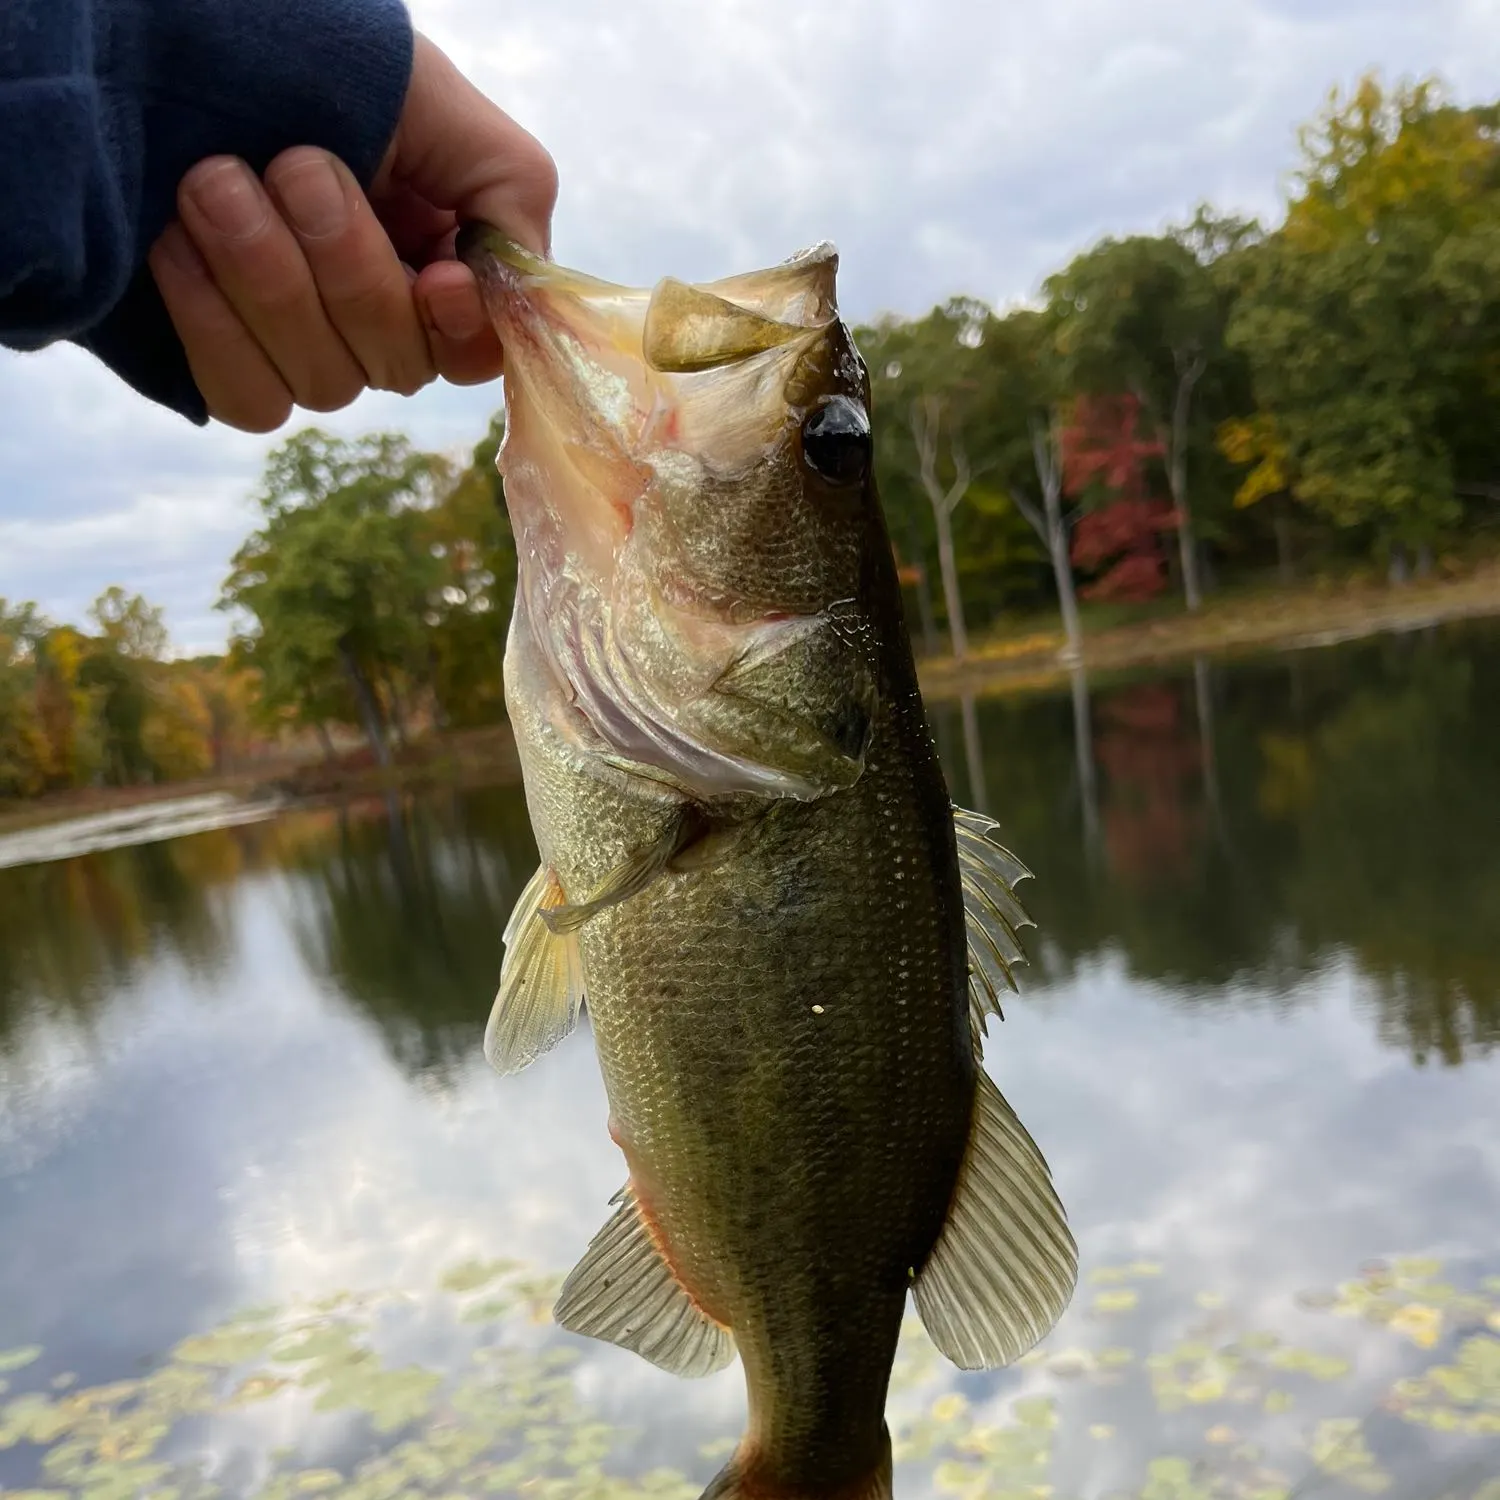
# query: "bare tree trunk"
926,418
1176,440
325,740
365,703
957,629
1052,527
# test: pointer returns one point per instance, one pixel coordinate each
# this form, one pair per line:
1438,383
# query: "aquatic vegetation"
1240,1413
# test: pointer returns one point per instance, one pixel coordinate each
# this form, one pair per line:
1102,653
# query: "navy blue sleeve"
105,104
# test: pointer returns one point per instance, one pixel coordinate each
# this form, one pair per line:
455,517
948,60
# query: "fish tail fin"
743,1478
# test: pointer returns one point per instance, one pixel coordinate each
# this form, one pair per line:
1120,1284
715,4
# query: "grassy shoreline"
1021,660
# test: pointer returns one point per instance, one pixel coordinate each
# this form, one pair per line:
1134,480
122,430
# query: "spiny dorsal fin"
1006,1264
541,981
624,1292
993,916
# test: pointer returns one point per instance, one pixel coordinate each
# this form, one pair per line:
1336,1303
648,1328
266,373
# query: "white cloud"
946,147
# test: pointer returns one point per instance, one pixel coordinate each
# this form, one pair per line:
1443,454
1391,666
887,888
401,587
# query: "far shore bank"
1246,620
1016,661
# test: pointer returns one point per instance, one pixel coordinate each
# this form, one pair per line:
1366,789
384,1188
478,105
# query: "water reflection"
242,1067
1258,821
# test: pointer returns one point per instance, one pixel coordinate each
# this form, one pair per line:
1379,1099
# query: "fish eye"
836,440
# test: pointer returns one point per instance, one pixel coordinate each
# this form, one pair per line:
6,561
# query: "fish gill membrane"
788,939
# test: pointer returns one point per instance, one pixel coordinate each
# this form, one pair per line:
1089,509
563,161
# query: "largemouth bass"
788,937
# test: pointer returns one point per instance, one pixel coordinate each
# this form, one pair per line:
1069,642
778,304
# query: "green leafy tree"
467,618
338,578
940,460
1371,320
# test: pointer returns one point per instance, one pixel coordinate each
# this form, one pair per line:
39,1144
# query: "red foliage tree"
1101,446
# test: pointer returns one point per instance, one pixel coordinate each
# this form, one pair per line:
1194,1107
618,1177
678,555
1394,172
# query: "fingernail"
458,315
313,195
229,197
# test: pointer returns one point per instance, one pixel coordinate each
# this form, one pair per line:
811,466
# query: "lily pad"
470,1275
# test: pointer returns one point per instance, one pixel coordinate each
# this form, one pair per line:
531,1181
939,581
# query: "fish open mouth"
623,374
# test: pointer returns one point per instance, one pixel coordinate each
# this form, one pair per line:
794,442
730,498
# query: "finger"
240,385
360,280
465,346
260,268
415,227
454,148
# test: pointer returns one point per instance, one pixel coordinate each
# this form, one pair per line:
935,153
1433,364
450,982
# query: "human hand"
304,291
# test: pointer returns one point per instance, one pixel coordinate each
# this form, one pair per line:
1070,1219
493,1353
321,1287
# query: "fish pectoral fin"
624,1292
541,981
993,917
632,875
1005,1265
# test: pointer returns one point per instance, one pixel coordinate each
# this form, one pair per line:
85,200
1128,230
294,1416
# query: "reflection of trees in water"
400,905
407,904
1358,803
74,932
1398,808
1254,821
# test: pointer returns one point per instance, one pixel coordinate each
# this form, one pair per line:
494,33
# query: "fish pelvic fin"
624,1292
541,981
1005,1266
748,1476
993,917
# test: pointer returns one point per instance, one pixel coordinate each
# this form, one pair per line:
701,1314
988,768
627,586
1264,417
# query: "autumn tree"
1102,454
23,750
1146,315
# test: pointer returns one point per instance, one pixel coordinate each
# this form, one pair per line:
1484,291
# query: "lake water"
268,1224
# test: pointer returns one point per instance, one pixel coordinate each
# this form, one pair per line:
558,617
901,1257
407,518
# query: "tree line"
1175,411
1218,400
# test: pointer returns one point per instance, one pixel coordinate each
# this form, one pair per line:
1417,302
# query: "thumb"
460,153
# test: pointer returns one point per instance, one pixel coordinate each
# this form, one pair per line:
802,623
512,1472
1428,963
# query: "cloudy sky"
944,145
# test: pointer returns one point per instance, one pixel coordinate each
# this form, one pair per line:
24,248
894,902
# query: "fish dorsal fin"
1005,1265
689,329
624,1292
993,916
541,981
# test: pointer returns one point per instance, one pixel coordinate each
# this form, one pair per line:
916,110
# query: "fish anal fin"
1005,1266
541,981
624,1292
993,916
